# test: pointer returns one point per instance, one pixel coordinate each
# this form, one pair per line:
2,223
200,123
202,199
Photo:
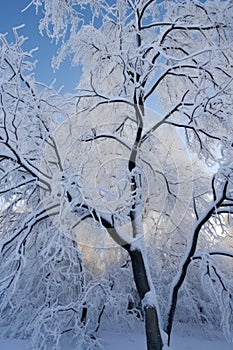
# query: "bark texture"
153,334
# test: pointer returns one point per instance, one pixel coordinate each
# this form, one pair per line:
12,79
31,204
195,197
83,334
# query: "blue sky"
11,16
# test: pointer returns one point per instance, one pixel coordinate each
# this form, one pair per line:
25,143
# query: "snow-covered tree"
116,174
44,287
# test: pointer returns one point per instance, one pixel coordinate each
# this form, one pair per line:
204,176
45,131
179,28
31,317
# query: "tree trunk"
141,278
143,283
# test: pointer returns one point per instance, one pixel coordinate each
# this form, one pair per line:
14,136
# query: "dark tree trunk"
183,268
142,281
153,334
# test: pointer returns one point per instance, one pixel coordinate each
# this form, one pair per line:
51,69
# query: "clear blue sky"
11,16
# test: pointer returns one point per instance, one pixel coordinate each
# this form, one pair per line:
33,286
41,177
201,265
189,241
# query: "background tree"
105,168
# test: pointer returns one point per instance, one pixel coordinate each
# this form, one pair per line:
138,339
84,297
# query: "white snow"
12,344
135,340
150,299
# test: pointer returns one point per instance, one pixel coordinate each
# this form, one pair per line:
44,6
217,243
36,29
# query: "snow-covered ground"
136,341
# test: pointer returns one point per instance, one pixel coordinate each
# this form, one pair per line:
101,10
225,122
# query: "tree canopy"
118,199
